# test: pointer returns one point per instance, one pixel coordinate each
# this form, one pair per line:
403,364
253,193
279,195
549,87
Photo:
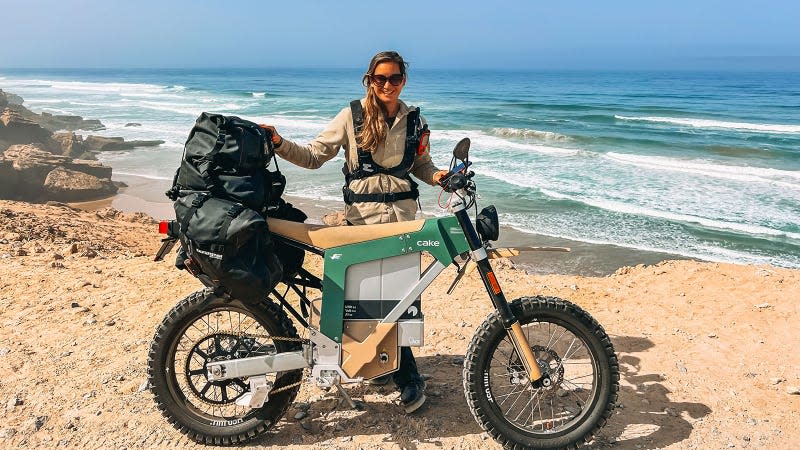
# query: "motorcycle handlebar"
457,177
457,181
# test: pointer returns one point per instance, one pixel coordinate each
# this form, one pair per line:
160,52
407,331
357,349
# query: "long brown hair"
375,129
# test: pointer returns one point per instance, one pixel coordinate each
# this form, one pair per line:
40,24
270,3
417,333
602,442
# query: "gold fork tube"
524,350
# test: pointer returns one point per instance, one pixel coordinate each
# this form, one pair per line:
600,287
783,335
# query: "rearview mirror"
461,152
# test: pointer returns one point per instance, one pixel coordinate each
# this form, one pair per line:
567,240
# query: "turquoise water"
699,164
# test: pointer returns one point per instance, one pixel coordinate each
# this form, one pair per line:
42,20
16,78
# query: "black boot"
412,396
409,382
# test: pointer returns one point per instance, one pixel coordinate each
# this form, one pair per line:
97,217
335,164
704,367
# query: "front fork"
510,322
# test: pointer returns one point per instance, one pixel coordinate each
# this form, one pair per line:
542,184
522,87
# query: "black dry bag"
228,246
227,157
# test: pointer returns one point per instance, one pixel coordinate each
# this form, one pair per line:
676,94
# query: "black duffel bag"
227,246
227,157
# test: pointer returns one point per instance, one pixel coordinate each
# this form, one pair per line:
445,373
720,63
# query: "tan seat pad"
324,236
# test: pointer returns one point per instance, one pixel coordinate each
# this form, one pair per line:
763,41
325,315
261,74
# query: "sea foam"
482,142
140,175
785,178
708,123
627,208
526,133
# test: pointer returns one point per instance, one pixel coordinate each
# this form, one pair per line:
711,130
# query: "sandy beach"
707,351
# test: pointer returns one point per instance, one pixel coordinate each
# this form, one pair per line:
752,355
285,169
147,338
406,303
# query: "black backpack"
222,193
227,157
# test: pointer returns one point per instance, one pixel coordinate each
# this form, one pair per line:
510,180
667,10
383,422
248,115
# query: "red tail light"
163,227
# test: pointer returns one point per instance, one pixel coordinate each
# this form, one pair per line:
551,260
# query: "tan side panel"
323,236
361,351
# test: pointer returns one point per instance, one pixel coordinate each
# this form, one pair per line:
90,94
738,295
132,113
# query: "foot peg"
258,394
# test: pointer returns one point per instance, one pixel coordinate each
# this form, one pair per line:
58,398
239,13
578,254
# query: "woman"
379,158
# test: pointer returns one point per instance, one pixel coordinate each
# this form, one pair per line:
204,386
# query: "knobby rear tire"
496,388
184,407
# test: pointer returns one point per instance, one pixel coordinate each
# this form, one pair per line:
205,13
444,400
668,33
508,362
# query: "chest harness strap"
367,167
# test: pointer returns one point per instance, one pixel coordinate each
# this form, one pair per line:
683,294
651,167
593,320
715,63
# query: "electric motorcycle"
539,372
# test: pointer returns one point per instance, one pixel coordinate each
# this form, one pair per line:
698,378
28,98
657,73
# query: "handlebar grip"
457,181
457,170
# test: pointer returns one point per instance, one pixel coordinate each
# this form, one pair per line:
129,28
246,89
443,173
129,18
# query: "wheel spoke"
524,409
550,342
521,391
567,354
578,378
506,396
205,388
541,414
247,327
572,391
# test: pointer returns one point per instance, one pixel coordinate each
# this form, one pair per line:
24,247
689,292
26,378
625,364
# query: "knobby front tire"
202,328
578,358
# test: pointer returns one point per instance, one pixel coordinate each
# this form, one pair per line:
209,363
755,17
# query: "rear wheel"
577,394
203,328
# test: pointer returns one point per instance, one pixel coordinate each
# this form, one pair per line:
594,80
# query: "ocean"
698,164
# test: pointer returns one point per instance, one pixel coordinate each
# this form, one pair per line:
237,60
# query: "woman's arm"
321,149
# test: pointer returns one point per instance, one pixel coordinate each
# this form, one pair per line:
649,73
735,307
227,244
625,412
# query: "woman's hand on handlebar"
277,140
437,177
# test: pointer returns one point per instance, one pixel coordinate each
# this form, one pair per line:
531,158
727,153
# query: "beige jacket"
340,133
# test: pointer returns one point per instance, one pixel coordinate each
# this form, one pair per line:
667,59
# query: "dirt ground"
708,352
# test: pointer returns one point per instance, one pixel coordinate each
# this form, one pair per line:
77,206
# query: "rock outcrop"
30,172
37,163
101,143
12,99
70,123
72,145
15,128
50,122
71,186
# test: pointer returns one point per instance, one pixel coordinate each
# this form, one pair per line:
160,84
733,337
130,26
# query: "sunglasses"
380,80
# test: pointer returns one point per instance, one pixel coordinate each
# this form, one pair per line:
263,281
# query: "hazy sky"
431,34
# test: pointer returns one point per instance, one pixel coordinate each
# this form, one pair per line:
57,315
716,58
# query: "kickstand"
347,398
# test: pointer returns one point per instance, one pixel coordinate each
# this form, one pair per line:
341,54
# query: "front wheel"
203,328
580,385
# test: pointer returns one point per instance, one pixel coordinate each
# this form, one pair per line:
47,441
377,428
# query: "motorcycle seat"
327,236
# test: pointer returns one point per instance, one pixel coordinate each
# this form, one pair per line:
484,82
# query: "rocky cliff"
42,158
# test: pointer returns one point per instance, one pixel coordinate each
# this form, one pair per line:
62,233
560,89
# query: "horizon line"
434,69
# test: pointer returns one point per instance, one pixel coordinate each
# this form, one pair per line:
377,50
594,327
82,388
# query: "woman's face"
381,82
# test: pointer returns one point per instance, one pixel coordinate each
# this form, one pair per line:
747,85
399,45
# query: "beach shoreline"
147,195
